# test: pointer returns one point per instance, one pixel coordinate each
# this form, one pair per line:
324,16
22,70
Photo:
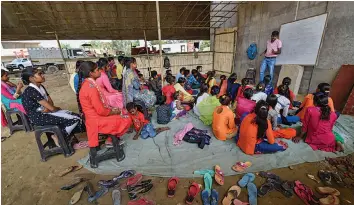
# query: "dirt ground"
27,180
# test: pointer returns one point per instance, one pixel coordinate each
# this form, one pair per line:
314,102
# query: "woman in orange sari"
256,134
308,100
99,116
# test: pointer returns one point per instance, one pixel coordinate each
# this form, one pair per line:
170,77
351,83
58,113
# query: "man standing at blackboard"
273,50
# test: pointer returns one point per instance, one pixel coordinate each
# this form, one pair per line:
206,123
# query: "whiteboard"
301,41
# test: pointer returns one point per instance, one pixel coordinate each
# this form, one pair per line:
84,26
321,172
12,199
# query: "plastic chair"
22,122
117,151
65,148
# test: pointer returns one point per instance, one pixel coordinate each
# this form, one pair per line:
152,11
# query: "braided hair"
261,111
84,72
324,88
321,100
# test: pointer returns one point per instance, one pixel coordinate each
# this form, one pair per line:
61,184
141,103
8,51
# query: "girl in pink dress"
114,98
317,126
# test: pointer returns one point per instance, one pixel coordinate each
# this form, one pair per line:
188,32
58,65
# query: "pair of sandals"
327,176
332,196
92,194
115,180
140,188
286,187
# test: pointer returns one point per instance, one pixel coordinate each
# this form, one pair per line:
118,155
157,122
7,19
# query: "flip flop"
232,193
116,197
132,181
269,175
108,183
238,202
208,181
98,194
214,197
80,145
252,193
145,189
337,178
249,177
69,169
302,195
219,175
74,183
204,171
141,201
282,188
328,191
330,200
206,197
142,184
311,198
265,188
171,186
125,174
241,166
76,197
325,177
192,192
89,189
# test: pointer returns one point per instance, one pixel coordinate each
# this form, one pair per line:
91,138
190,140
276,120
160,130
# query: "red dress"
168,91
97,119
139,120
240,90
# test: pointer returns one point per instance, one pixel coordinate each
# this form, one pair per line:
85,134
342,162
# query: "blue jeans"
148,131
264,148
270,62
291,119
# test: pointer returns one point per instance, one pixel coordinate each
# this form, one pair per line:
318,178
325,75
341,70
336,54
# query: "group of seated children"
253,115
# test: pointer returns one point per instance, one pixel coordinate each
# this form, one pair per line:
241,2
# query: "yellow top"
119,71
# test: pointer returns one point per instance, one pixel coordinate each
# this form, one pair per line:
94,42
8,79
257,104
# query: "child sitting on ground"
142,126
222,85
268,85
169,90
244,85
163,111
210,81
142,82
260,94
288,93
178,110
155,84
232,86
244,105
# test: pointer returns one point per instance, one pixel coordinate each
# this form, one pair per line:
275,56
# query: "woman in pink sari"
113,97
317,126
10,93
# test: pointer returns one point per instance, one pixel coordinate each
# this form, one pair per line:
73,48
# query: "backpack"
252,51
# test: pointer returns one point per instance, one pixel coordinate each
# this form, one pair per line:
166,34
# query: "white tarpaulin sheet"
159,157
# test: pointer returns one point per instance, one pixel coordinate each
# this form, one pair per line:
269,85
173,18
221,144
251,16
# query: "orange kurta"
97,119
248,134
223,88
223,122
308,102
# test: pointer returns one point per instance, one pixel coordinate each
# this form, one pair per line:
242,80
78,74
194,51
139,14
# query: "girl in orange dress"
224,126
308,100
256,134
222,85
99,116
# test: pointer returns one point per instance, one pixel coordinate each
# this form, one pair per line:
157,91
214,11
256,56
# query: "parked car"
18,63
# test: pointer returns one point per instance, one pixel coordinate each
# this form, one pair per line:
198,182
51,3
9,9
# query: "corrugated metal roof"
116,20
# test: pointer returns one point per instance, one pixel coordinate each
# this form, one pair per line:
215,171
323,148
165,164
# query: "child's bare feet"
136,137
161,129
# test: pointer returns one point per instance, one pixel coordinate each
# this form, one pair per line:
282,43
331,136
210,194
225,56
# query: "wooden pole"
159,34
62,56
147,52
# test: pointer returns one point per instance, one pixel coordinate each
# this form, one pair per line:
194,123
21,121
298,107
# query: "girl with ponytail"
318,124
308,101
288,93
256,135
100,117
210,81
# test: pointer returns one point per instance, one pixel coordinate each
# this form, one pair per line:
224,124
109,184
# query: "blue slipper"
249,177
204,171
252,193
214,197
206,197
208,181
98,194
